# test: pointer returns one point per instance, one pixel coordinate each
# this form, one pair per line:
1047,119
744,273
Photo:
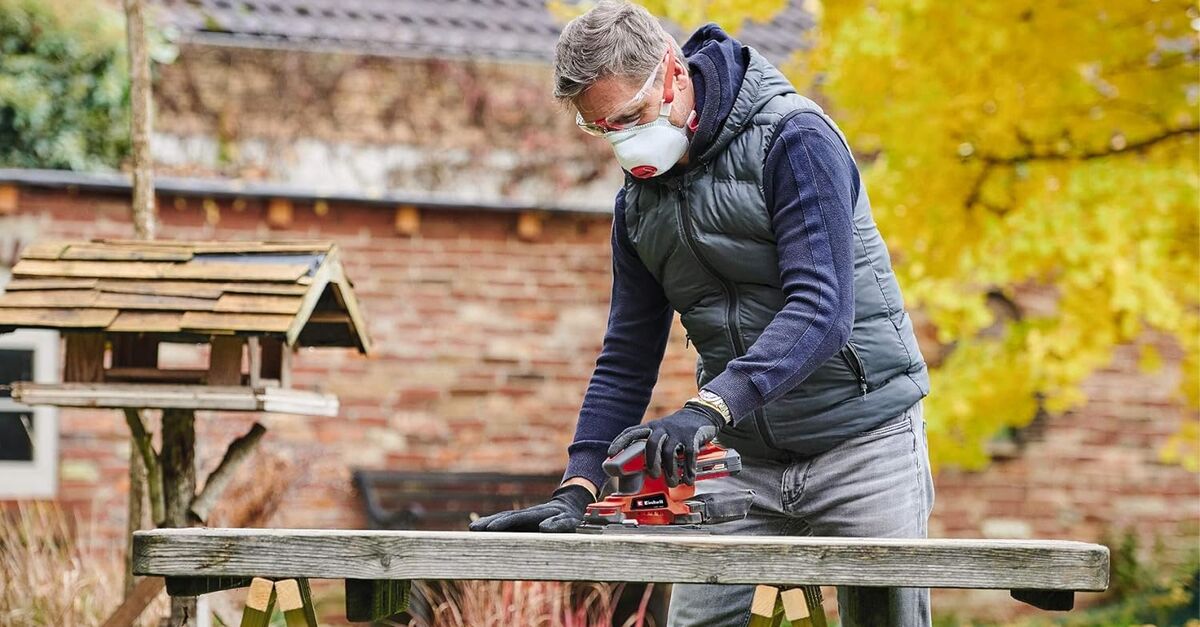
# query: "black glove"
683,431
562,513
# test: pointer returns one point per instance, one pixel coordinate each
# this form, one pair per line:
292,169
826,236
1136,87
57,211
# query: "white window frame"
37,478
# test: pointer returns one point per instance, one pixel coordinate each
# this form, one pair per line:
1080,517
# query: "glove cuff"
575,495
713,415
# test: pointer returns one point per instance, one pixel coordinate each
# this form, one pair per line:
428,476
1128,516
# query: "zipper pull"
862,386
687,340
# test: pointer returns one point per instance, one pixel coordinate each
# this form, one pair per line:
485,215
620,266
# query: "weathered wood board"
779,560
167,396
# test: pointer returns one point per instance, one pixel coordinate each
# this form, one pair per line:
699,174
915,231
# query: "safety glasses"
628,114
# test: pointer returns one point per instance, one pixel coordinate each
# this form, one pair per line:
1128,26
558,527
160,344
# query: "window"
28,435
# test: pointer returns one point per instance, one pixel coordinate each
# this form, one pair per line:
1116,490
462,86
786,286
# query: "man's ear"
680,74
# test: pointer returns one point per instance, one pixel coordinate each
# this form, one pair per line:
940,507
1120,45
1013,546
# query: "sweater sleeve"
639,323
811,185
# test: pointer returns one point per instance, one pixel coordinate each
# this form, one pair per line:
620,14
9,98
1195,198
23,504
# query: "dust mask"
649,149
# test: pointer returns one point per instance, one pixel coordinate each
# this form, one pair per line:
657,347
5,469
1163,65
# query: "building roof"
295,290
501,29
194,187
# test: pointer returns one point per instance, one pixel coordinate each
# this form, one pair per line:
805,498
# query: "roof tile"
503,29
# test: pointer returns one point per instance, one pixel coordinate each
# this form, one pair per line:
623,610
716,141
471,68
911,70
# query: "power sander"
645,504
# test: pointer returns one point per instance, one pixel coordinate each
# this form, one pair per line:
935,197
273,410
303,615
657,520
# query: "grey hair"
614,38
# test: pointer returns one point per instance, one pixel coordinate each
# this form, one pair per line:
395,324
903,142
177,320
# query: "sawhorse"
294,598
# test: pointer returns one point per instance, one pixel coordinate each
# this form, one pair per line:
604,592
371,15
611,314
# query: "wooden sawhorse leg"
293,595
799,606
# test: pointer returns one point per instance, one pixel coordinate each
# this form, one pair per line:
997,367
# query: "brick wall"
483,347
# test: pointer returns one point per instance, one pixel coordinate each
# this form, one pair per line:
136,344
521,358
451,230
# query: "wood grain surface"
375,554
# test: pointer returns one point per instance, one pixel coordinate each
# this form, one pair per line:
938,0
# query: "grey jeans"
876,484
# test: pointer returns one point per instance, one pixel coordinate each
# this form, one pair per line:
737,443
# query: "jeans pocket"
897,424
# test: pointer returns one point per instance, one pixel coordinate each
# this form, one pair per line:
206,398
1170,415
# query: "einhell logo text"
650,502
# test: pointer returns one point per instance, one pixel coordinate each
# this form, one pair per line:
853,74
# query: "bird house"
117,301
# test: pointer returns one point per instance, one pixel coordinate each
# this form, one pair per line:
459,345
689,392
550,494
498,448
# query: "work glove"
562,513
684,431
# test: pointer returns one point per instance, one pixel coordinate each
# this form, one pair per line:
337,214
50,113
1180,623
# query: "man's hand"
562,513
684,431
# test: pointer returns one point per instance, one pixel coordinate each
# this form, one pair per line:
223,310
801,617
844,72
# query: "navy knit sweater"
811,184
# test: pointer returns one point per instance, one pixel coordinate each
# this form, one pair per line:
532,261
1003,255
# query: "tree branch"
220,478
144,220
141,438
1033,155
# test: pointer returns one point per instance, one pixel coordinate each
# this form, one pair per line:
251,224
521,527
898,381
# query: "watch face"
709,396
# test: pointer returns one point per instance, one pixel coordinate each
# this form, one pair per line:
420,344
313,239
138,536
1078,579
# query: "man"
743,210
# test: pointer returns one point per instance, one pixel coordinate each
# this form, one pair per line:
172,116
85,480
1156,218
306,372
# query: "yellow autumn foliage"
1017,147
1022,146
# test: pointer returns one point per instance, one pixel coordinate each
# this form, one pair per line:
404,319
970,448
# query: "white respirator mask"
650,149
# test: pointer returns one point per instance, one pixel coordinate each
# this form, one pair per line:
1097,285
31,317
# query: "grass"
55,571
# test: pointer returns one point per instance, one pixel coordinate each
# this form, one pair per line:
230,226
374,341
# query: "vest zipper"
731,323
856,366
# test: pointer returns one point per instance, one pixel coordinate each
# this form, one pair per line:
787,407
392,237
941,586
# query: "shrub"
64,96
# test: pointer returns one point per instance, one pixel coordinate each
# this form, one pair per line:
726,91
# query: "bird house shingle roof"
296,290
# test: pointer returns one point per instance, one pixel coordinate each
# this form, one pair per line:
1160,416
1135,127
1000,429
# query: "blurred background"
1033,166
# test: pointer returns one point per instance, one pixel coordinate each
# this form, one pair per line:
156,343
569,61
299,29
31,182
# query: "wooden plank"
121,300
209,270
762,607
785,560
346,295
48,298
44,250
285,366
168,396
251,287
254,356
795,606
100,252
197,289
217,322
147,322
132,607
225,360
287,401
84,361
258,303
222,246
17,285
56,318
260,602
802,606
320,281
374,600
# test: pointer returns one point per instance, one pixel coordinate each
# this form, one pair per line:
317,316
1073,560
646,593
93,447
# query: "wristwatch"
711,399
